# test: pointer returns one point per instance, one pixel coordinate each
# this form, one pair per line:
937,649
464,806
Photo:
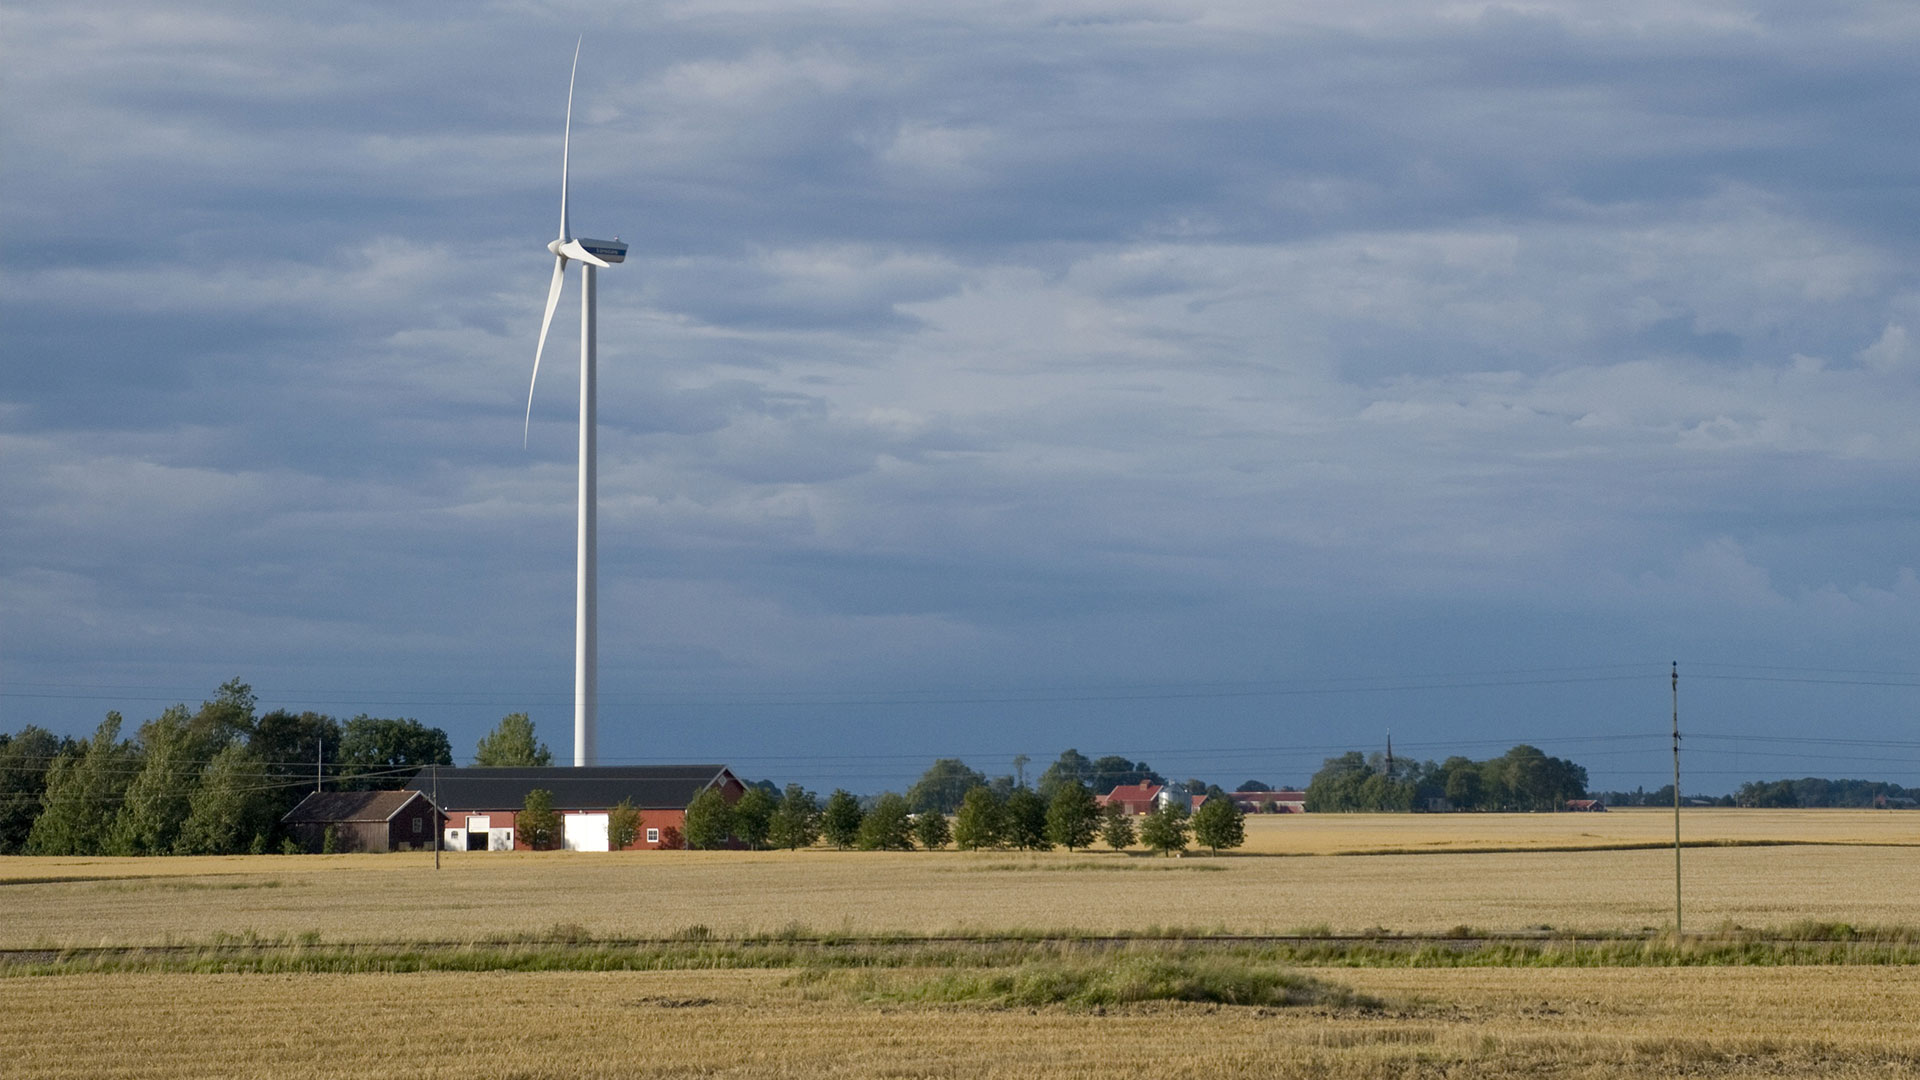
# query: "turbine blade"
572,250
566,141
546,321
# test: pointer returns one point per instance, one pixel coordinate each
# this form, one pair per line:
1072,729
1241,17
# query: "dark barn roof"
322,807
650,787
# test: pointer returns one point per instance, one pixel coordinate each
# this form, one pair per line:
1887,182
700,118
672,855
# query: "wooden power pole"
1676,799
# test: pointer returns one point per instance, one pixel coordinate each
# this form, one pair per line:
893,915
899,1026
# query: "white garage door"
586,832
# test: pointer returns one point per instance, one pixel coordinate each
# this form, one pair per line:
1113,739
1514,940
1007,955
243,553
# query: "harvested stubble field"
1718,1022
1024,1009
1854,867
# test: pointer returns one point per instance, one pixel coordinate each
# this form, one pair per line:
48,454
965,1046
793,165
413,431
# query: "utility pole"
319,762
436,816
1676,799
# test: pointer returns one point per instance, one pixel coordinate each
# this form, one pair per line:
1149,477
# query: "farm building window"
418,826
653,836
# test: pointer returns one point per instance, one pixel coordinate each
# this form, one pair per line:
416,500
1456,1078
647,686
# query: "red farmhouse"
1134,799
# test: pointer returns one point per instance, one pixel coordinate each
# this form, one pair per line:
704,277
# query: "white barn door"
586,832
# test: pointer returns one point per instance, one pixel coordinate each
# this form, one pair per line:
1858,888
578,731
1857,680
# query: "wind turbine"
592,255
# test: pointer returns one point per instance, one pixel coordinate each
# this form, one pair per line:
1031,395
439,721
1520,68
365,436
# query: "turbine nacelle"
601,253
613,251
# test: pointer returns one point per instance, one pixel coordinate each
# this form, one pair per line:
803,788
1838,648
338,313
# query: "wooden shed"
364,820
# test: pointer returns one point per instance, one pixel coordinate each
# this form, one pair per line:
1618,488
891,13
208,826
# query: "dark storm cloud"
1040,345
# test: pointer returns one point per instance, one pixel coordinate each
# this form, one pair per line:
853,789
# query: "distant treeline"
1660,796
1523,778
212,781
1814,791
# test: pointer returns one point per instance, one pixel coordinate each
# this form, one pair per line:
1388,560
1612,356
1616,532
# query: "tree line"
209,781
946,782
1814,791
984,818
1523,778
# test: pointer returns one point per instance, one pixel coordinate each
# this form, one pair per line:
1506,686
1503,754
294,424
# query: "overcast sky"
1216,384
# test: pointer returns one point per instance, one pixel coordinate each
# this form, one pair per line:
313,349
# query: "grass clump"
1086,982
1130,866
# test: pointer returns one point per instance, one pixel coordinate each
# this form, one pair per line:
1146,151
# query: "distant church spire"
1389,753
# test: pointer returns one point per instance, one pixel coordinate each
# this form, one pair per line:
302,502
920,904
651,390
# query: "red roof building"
1135,799
1270,802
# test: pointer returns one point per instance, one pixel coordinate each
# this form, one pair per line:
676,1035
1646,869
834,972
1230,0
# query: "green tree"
1165,830
931,829
512,743
25,761
538,823
1073,817
159,799
1219,824
1116,827
1336,787
377,753
83,794
1026,818
753,817
296,742
888,826
1113,771
981,820
840,821
293,745
1535,781
228,717
796,821
1381,792
1461,783
1071,767
942,786
709,820
623,825
230,807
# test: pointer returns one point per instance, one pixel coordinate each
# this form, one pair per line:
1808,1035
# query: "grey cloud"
1064,343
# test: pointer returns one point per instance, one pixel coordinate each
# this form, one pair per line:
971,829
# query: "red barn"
480,804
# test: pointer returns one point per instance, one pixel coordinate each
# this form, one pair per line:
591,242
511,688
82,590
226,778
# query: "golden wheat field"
1318,873
1719,1022
1855,867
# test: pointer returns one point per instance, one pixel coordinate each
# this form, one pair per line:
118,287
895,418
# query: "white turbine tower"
591,255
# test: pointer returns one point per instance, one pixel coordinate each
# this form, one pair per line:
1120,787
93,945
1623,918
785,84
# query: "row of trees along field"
943,785
1814,791
984,818
215,780
1523,778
